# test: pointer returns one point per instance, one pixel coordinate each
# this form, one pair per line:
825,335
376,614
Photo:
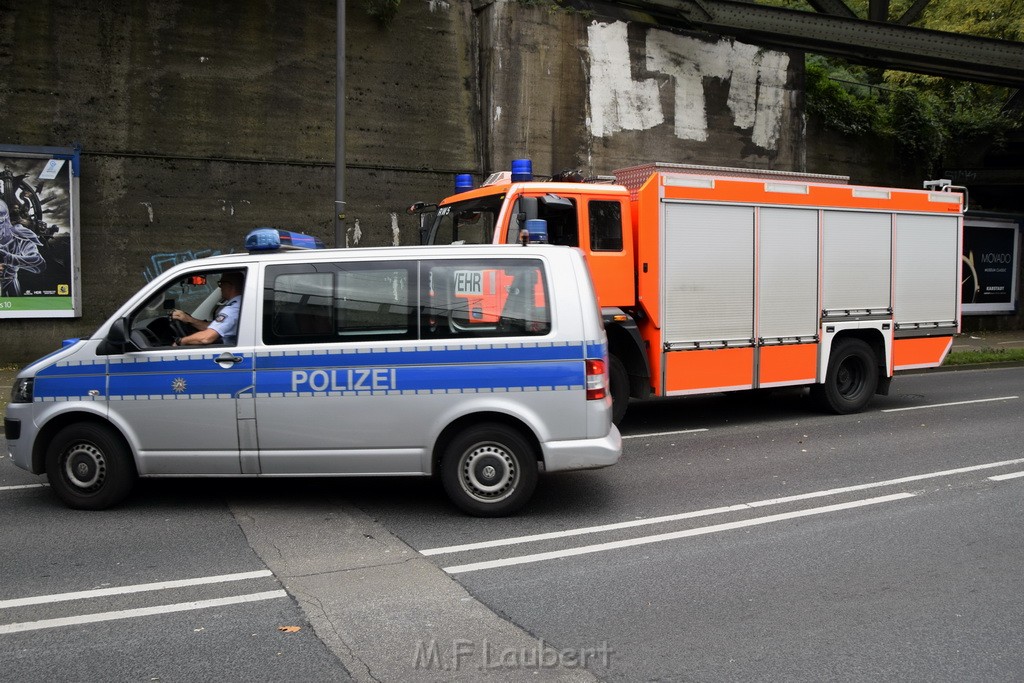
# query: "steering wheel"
179,328
144,338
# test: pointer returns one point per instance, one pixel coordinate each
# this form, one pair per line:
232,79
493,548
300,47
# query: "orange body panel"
920,352
788,364
708,370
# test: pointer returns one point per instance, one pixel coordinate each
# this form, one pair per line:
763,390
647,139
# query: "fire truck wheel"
851,379
618,386
489,470
89,467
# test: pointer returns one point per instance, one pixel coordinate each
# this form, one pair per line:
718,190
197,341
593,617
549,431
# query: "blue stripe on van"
316,379
497,367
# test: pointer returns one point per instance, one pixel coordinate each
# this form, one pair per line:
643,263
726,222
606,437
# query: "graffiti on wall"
158,263
756,77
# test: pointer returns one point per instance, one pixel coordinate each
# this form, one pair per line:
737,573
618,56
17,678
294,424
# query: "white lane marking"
515,540
137,588
681,431
646,540
1004,477
21,486
140,612
955,403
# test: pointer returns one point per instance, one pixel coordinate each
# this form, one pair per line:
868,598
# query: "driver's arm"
191,320
200,338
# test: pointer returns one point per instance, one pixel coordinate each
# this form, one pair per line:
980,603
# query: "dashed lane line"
140,612
659,538
954,403
137,588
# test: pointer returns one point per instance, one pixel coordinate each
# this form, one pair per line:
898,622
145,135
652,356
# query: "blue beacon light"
463,182
273,239
522,170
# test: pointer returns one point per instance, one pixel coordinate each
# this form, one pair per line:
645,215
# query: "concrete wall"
571,91
201,120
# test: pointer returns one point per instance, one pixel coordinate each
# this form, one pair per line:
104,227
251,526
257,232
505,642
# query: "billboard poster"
39,232
990,265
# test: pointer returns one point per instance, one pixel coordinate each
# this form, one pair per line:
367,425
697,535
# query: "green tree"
929,120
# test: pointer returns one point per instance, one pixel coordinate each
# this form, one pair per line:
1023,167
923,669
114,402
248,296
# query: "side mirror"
116,340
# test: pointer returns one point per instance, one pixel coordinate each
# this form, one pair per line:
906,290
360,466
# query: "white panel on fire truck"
857,262
708,266
788,274
927,269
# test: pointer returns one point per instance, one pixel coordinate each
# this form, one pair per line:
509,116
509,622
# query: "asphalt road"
778,544
739,538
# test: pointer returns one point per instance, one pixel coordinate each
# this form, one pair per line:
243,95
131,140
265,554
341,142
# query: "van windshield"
467,222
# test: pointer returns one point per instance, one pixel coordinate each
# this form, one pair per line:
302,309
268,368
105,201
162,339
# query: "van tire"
851,379
489,470
89,467
618,387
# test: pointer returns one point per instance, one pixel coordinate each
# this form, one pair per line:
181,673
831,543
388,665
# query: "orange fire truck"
718,279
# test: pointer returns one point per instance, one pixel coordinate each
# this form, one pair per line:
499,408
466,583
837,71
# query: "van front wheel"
489,470
89,467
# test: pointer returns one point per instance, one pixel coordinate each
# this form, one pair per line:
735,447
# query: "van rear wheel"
89,467
489,470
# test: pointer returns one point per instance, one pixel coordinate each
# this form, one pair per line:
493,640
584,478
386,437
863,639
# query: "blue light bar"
463,182
272,239
522,170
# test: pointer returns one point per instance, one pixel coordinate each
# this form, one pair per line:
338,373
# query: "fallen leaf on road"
289,629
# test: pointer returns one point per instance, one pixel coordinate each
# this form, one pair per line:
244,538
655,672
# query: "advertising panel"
990,265
39,232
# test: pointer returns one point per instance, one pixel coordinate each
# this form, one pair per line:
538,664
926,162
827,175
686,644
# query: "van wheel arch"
89,465
59,422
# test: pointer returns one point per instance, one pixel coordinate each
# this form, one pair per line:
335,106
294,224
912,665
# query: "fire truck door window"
561,215
605,226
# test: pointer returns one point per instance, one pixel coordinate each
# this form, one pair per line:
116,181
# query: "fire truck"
717,279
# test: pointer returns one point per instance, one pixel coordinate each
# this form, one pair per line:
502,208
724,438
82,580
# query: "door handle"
228,358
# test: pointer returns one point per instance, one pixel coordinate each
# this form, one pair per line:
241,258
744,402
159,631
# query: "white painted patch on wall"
395,236
353,235
435,5
497,114
617,102
149,209
227,207
756,77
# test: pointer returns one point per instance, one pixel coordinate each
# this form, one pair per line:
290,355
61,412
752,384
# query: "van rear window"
430,299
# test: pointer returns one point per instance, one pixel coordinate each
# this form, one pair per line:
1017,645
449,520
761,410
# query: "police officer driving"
224,326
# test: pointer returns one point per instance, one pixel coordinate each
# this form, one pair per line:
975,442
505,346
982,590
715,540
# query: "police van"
481,365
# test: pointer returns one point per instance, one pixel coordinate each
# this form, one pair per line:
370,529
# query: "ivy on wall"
929,121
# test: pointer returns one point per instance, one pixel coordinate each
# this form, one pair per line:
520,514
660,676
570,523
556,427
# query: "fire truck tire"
489,470
618,386
851,379
89,467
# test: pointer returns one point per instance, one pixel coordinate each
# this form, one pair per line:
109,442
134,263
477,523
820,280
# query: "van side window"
330,302
605,226
493,298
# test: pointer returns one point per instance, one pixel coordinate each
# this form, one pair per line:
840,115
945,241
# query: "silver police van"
481,365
